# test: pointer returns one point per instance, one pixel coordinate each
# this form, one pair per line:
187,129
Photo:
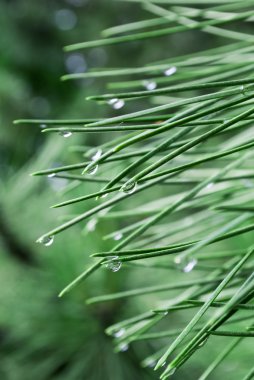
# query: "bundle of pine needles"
178,174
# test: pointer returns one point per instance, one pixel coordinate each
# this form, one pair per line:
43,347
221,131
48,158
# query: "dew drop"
119,333
247,183
104,195
113,263
150,362
123,347
149,85
103,212
202,343
190,265
170,71
51,175
242,88
91,225
129,187
97,155
92,169
43,126
116,103
46,240
210,185
162,312
171,371
118,236
185,264
65,134
93,166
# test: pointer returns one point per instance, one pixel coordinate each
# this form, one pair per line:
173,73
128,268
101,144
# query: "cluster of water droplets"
46,240
119,333
129,187
113,263
65,134
116,103
186,264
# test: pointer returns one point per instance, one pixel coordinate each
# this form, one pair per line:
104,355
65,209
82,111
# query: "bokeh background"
41,336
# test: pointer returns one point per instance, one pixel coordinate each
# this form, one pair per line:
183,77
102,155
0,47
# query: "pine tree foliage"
175,171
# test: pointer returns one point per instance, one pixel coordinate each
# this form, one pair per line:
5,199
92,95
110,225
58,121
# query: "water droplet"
104,195
91,225
103,212
93,166
46,240
162,312
118,236
211,184
170,71
150,362
119,333
190,265
51,175
247,183
43,126
149,85
129,187
186,264
171,371
123,347
113,263
92,169
116,103
242,88
97,155
65,134
202,343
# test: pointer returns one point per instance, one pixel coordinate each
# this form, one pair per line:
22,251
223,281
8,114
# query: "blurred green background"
41,336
